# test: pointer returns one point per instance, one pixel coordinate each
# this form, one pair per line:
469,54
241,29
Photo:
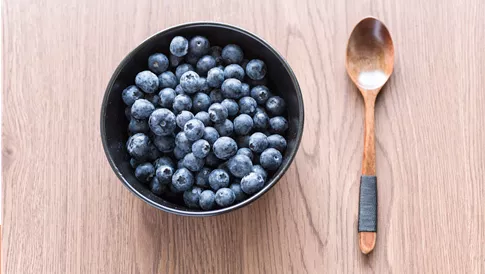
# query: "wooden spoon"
369,63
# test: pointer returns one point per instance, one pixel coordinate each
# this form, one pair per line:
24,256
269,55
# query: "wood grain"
66,212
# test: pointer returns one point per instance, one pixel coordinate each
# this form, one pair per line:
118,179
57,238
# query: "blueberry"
253,83
217,113
240,165
223,166
278,124
271,159
167,80
202,177
182,143
252,183
167,161
201,148
183,117
156,187
192,163
205,64
174,190
199,45
165,144
224,148
182,102
232,88
153,152
191,197
225,197
261,121
138,146
243,124
179,46
175,60
190,82
247,105
216,96
232,54
166,95
243,141
231,106
179,90
260,170
182,179
260,109
245,91
216,52
147,81
179,153
128,112
215,77
194,129
158,63
277,141
275,106
134,163
145,172
258,142
180,163
234,71
153,98
239,194
164,174
211,160
203,85
218,178
183,68
256,69
191,59
225,128
210,135
137,126
203,116
200,102
207,200
142,109
162,122
246,152
260,94
131,94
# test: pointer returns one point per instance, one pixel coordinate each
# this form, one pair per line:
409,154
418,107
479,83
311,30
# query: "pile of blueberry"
202,124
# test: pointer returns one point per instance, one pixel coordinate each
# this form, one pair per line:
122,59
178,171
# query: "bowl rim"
251,199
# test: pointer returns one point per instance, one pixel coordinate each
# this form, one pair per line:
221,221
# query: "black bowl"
281,81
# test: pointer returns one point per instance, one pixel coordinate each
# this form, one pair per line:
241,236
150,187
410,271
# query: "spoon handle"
368,183
369,159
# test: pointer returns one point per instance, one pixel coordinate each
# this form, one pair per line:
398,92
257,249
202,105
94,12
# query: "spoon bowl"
370,55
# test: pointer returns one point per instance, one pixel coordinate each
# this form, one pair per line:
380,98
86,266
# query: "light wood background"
66,212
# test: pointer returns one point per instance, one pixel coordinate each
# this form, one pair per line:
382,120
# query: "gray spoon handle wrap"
368,204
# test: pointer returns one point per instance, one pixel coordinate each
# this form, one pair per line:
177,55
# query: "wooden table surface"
64,210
